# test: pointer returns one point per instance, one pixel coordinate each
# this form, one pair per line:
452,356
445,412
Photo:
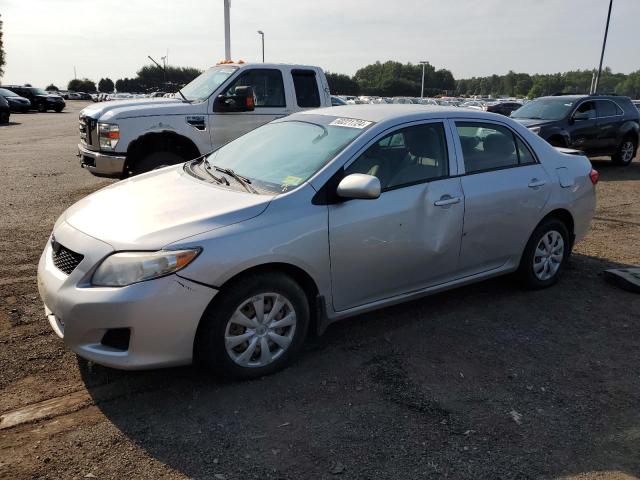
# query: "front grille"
88,131
64,259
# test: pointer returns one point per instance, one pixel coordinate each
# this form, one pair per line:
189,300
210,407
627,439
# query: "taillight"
594,176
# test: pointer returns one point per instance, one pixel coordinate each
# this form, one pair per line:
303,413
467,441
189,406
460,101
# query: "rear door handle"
535,183
446,200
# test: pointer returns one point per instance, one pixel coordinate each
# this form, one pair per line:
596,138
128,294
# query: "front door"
409,237
584,131
505,189
270,103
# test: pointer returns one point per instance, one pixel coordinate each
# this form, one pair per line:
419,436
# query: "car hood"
152,210
137,107
533,122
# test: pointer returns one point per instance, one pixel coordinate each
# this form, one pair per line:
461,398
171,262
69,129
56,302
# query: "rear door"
270,103
610,119
505,189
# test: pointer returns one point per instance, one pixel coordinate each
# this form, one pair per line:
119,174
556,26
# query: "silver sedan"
232,259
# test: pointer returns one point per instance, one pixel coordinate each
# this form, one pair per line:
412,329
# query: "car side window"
267,84
587,110
606,109
406,157
486,146
306,86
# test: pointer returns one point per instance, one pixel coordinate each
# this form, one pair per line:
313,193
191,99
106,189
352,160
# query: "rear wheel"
557,141
155,160
626,151
58,109
254,328
4,117
546,254
42,107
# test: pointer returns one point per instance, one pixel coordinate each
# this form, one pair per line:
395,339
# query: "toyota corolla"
233,258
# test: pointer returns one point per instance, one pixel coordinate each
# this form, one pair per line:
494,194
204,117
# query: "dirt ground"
485,382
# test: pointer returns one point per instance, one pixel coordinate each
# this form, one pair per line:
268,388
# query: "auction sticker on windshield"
350,122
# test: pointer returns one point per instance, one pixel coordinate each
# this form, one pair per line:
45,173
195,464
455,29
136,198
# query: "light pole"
604,43
227,31
262,35
422,87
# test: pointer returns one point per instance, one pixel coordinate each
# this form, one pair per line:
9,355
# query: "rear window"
306,86
607,108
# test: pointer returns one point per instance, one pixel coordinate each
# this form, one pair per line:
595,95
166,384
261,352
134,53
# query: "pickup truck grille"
89,132
64,259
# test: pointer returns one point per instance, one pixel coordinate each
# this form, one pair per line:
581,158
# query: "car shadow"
485,381
9,124
610,172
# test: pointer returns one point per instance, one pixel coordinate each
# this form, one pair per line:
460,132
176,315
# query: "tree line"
525,85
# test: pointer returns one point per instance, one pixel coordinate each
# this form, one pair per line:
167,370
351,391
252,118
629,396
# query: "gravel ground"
488,381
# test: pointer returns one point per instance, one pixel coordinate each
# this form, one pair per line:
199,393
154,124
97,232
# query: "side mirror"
359,185
580,116
240,101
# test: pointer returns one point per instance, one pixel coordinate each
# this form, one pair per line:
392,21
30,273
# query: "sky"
45,39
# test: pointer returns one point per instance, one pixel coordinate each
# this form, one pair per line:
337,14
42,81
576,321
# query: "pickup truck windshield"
280,156
544,109
204,85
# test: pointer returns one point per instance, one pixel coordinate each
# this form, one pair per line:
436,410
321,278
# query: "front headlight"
535,130
125,268
109,134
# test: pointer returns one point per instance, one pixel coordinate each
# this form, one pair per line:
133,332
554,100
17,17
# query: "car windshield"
7,93
544,109
204,85
38,91
280,156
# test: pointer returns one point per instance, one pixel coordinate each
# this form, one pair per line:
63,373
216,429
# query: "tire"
155,160
214,347
625,152
42,108
4,117
552,230
58,109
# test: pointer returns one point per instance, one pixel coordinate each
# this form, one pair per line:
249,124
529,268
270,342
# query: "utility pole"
164,70
75,75
227,31
262,34
604,44
424,64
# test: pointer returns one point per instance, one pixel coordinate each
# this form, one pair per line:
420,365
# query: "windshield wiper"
244,181
207,169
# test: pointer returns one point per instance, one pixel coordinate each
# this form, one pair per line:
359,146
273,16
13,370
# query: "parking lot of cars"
488,381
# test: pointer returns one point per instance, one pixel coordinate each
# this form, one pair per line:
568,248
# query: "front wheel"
58,109
545,255
625,153
254,328
155,160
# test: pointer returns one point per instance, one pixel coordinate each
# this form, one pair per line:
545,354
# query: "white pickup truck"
123,138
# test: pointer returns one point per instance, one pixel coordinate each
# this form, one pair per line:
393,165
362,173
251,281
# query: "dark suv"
40,100
596,124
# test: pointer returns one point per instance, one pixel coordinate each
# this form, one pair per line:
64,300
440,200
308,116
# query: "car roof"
380,112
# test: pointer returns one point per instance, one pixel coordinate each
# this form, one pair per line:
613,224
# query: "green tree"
52,88
341,84
3,59
105,85
152,77
394,78
84,85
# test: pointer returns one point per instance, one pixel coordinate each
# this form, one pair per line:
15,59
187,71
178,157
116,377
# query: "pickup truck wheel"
625,153
155,160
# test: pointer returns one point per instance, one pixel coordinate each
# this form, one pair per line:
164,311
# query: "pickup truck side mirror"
241,100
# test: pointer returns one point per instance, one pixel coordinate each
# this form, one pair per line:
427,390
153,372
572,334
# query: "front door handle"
446,200
535,183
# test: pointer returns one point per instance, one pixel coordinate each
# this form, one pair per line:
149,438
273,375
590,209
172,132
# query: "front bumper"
101,164
162,315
